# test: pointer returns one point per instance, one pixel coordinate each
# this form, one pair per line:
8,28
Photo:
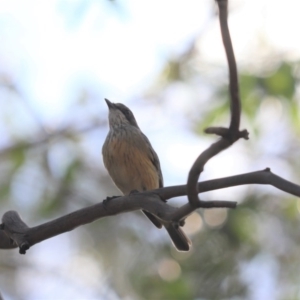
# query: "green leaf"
281,82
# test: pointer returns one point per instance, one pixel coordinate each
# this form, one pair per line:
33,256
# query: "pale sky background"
54,48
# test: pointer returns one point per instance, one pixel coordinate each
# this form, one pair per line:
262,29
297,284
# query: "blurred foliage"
254,90
47,175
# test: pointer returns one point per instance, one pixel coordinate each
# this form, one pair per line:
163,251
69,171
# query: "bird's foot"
181,223
107,199
134,192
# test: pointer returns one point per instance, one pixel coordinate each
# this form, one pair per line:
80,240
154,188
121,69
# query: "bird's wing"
155,160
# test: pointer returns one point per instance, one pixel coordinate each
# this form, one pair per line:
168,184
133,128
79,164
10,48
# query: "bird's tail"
178,237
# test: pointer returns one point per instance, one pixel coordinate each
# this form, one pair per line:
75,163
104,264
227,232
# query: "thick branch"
15,233
19,234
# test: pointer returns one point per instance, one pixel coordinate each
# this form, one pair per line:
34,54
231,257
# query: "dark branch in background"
228,136
45,134
60,133
15,233
12,87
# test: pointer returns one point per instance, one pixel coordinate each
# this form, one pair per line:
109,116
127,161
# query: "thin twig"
235,103
59,133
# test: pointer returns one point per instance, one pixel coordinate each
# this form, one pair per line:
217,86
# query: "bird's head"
119,115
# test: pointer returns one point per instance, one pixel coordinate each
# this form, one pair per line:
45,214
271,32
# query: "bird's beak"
109,104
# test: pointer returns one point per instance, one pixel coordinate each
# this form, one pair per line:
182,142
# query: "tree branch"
15,233
228,136
235,104
59,133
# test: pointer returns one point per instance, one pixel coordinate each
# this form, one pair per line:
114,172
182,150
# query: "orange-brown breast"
129,166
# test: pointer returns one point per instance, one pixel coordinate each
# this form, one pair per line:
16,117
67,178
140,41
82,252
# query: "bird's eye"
127,113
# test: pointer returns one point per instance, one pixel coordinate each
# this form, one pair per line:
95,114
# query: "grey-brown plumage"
133,164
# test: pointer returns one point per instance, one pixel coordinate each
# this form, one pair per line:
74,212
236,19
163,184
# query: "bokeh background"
165,60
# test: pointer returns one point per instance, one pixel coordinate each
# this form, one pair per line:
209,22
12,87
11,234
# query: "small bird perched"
133,164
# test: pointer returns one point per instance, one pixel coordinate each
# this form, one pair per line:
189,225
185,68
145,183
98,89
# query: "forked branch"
15,233
228,136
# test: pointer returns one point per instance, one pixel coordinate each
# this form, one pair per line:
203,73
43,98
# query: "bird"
133,164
